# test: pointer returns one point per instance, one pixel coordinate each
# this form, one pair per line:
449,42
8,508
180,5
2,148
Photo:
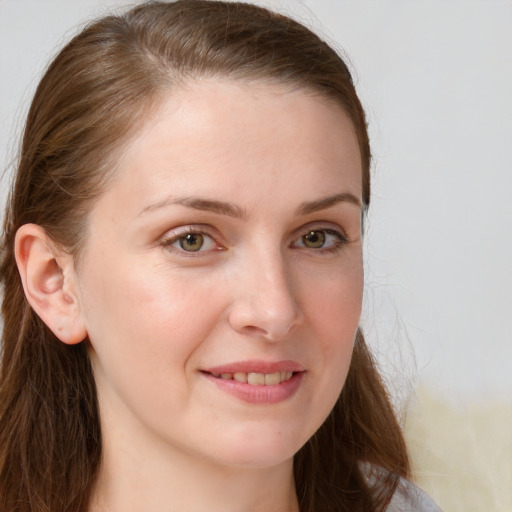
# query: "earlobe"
47,278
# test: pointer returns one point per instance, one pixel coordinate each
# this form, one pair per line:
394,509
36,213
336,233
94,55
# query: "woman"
182,269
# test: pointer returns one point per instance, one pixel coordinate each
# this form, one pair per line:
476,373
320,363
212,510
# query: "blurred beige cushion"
462,452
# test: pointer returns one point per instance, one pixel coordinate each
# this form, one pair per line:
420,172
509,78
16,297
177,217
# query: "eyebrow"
198,203
328,202
232,210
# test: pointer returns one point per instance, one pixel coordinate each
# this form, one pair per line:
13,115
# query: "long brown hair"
93,96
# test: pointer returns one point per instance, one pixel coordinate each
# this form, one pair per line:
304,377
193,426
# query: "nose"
265,302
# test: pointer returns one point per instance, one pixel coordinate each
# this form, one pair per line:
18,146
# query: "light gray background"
436,80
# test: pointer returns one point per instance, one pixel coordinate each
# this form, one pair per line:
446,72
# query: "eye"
314,239
329,239
192,242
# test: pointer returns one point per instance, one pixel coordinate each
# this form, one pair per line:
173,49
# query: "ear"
48,278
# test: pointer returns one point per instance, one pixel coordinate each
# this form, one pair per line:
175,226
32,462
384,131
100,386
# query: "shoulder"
409,497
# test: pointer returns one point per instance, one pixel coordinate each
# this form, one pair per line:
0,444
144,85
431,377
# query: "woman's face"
222,278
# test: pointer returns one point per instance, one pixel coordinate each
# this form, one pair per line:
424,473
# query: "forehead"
214,136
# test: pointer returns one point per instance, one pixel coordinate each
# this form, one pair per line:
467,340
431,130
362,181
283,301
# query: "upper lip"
257,367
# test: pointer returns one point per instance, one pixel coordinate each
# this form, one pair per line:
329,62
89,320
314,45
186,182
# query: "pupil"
191,242
314,239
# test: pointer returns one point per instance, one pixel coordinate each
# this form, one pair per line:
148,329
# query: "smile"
258,382
256,379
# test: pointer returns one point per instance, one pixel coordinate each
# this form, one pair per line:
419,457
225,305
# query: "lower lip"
259,394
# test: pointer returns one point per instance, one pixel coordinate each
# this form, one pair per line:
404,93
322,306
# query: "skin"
157,316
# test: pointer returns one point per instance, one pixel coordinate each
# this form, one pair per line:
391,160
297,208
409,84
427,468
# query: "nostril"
255,330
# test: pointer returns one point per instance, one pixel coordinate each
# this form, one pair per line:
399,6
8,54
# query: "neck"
152,477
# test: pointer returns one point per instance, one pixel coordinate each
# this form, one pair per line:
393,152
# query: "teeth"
256,379
271,379
240,377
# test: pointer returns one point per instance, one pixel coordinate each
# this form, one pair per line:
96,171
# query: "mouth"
256,379
258,382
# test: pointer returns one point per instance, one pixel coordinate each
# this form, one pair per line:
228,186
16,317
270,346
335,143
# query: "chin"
259,449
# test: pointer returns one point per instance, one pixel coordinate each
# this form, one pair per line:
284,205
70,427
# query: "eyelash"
169,241
174,238
339,243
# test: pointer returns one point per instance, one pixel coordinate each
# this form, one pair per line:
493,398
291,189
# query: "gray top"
409,498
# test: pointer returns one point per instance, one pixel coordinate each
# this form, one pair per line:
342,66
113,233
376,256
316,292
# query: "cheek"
334,313
334,304
146,328
336,319
147,319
